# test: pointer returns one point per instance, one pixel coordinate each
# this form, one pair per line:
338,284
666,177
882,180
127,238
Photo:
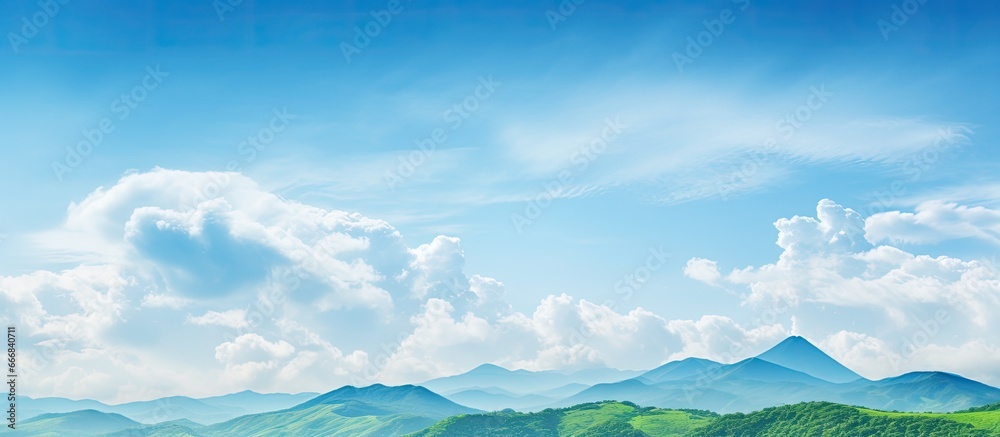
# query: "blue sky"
571,146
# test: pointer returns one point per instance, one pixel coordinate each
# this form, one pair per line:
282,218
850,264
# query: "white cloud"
440,344
703,270
868,356
933,222
252,347
825,265
77,305
875,358
154,300
722,339
563,333
438,267
235,319
826,261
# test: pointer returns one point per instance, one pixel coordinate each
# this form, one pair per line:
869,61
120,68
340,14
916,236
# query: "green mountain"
73,424
376,410
410,399
205,410
828,419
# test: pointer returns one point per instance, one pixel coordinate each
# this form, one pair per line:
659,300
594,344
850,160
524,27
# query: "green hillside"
805,419
984,418
77,423
591,419
828,419
161,430
333,420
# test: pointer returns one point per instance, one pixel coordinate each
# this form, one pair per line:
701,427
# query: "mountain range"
204,410
792,372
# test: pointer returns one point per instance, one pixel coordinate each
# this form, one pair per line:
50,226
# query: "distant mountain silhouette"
204,411
373,410
675,370
799,354
522,381
790,372
411,399
76,423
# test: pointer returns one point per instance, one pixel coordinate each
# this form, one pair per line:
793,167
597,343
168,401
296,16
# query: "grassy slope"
805,419
985,420
591,419
671,422
317,420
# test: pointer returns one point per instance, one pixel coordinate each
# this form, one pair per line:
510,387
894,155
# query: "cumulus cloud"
934,222
252,347
565,333
722,339
703,270
877,358
75,305
826,260
167,247
826,264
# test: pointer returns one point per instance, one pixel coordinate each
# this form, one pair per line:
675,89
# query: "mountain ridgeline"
791,389
792,371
